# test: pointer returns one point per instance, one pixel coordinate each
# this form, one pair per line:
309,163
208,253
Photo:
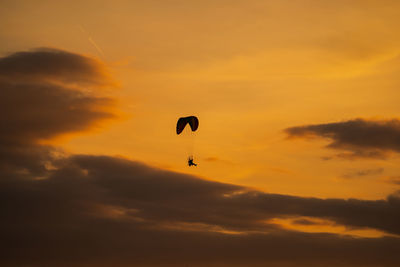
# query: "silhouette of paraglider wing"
194,123
192,120
181,125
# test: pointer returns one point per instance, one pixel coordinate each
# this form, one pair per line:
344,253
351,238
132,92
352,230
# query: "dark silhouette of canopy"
193,121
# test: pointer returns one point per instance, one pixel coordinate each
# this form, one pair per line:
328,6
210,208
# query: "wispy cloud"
362,173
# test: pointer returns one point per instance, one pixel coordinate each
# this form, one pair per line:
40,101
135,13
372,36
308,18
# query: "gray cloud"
358,138
43,93
39,111
98,209
53,65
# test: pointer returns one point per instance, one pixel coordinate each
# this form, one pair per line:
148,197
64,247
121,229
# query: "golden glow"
318,225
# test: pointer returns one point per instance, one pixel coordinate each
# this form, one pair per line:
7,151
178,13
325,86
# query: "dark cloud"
53,65
189,199
84,210
358,138
305,221
103,210
40,111
45,93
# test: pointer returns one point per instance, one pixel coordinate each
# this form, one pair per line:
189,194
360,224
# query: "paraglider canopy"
193,121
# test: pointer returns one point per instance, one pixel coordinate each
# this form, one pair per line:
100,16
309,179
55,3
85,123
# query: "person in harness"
190,162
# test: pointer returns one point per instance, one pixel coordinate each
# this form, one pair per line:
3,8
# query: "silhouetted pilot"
190,162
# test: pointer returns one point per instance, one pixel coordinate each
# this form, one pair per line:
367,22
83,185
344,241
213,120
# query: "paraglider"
193,122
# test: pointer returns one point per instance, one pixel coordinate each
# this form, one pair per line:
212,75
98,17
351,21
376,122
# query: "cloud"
305,221
112,211
85,210
47,64
214,159
45,93
392,180
357,138
40,111
363,173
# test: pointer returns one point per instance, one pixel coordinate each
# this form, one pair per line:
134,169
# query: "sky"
298,145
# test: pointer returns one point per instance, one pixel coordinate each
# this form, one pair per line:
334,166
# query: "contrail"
99,50
95,45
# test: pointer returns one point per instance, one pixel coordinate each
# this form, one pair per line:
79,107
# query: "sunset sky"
298,147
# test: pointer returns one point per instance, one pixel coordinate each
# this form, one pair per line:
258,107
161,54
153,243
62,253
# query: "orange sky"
299,136
247,69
